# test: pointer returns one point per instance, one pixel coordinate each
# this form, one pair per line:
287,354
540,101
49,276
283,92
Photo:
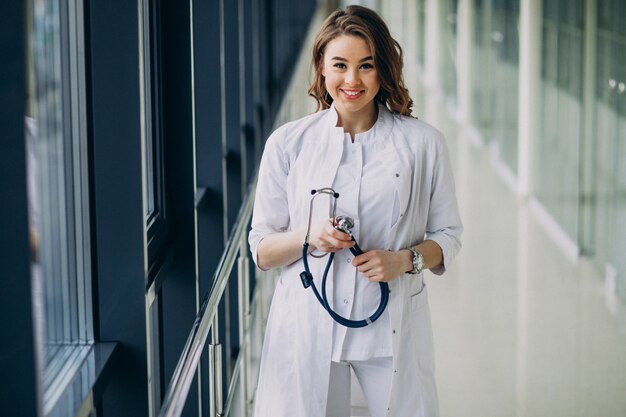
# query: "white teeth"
352,93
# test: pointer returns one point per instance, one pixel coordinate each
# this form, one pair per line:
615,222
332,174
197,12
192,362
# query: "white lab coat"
304,155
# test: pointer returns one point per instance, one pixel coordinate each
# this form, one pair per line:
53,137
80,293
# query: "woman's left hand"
382,265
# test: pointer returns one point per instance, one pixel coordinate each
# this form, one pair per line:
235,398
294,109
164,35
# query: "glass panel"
151,105
495,75
619,206
609,234
448,53
148,195
421,32
505,43
557,152
482,68
58,184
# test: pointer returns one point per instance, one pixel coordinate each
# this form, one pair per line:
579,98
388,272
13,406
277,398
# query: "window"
58,190
153,196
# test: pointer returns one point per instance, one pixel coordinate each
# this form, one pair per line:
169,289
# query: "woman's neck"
360,122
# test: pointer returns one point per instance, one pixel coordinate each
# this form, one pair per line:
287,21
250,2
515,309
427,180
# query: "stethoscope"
344,224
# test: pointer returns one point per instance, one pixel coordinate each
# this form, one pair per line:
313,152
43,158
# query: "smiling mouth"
352,94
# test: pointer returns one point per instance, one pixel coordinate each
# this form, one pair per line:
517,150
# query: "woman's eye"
339,65
367,66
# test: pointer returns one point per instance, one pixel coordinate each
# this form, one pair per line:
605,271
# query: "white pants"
374,376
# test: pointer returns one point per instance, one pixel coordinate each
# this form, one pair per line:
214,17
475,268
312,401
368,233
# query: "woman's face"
350,76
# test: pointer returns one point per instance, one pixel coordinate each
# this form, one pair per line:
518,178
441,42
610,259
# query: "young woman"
392,176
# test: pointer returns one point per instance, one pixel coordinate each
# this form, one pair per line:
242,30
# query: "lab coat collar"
381,129
397,167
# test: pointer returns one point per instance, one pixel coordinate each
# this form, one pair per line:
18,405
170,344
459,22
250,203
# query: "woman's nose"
352,77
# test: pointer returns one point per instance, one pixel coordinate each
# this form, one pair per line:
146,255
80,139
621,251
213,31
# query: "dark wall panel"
117,203
18,395
178,293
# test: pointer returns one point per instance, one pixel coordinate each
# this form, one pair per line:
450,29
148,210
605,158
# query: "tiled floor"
520,330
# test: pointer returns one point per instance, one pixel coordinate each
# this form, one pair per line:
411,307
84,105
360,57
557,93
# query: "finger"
339,235
366,269
376,278
372,278
339,244
333,245
329,247
360,259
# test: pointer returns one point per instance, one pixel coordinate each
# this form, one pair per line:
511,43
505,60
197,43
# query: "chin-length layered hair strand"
367,25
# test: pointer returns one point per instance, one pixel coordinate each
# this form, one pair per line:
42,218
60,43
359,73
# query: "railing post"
215,371
207,322
243,276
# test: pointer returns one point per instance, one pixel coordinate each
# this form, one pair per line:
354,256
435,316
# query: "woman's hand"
325,238
381,265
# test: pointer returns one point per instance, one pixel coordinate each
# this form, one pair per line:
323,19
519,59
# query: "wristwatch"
418,261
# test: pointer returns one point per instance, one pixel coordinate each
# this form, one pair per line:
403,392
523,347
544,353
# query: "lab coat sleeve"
271,210
444,222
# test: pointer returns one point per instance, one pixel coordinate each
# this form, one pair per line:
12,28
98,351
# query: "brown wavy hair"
366,24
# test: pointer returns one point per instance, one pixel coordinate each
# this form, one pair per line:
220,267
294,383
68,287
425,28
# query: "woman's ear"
321,68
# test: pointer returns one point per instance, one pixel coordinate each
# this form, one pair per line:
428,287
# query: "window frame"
157,229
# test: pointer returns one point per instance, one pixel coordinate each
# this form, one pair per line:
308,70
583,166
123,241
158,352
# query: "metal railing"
207,321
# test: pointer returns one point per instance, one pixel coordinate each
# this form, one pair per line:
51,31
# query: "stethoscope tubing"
307,280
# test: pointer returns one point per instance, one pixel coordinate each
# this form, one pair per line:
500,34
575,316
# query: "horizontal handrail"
182,378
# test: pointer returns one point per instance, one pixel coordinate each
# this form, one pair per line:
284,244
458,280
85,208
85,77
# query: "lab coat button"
397,175
348,260
345,301
394,331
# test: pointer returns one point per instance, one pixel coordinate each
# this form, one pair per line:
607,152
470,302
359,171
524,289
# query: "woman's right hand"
280,249
326,238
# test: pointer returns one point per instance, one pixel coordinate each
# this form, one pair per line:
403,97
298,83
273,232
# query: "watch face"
418,261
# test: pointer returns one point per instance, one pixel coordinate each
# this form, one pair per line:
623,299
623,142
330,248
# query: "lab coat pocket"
395,210
290,275
419,299
401,175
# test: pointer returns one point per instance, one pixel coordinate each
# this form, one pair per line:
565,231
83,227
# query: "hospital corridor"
132,135
521,329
